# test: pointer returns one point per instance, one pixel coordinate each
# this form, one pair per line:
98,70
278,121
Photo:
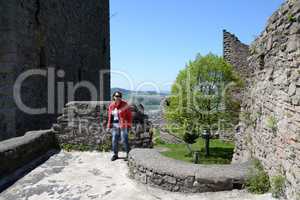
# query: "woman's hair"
117,92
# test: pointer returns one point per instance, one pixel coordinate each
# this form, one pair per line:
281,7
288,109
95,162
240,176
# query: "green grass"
258,180
220,152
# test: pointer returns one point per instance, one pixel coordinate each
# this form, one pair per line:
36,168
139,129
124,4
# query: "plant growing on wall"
277,186
258,180
271,123
291,18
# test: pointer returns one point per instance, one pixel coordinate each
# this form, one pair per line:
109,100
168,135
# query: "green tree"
201,96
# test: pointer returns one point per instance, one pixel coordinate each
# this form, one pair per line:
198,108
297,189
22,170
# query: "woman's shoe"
115,157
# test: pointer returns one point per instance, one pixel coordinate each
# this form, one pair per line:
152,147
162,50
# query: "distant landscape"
150,99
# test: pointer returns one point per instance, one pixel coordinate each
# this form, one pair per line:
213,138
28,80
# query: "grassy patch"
258,180
220,152
277,184
82,147
75,147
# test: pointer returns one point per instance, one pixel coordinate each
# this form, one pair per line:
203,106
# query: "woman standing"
119,121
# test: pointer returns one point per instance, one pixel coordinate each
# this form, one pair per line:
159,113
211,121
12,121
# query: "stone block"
170,179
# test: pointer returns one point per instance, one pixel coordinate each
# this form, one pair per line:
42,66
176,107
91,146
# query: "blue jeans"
116,138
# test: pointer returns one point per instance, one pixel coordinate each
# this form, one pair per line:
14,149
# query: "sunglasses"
117,96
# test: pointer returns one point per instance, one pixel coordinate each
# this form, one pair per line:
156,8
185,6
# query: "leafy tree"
201,97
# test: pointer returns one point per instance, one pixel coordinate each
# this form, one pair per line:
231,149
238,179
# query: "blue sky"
151,40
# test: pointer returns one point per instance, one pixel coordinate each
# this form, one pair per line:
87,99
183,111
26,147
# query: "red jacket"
125,116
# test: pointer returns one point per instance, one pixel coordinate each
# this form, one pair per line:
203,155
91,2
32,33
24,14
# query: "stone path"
92,176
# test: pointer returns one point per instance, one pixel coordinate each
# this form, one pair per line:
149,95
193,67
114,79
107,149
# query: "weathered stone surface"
175,175
272,100
236,53
16,152
72,36
91,175
84,123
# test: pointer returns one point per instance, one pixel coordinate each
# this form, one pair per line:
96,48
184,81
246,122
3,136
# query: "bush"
104,147
158,140
75,147
258,180
190,138
272,123
156,137
277,186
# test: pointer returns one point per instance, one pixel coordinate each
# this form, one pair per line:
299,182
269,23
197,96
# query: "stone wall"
236,53
72,36
270,117
148,166
84,123
19,151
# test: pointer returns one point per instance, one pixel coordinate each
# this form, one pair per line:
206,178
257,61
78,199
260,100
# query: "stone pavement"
92,176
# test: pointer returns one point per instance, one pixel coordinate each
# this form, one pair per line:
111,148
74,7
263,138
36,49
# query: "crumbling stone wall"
84,123
270,117
72,36
235,52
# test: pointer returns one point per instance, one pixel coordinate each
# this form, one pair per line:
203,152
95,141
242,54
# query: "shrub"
156,137
158,140
190,138
291,18
277,186
272,123
104,147
258,180
75,147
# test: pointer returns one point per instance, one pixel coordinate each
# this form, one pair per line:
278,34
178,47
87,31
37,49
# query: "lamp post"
206,136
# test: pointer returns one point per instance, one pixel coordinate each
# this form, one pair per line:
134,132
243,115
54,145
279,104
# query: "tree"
201,96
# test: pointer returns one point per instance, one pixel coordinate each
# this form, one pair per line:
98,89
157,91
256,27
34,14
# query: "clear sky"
151,40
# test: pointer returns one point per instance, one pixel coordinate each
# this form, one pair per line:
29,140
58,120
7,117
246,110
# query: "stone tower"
65,42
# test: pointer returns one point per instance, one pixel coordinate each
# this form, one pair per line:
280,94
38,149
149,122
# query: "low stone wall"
150,167
18,151
84,122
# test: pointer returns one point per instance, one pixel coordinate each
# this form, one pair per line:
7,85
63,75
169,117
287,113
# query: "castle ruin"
269,128
61,39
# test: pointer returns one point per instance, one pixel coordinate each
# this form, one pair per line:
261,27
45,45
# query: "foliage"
75,147
200,96
291,18
82,147
190,138
220,151
156,137
158,141
277,186
258,180
104,147
272,123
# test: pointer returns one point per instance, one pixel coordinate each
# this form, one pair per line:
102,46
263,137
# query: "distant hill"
150,99
126,92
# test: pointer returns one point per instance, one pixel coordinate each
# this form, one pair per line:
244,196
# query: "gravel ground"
92,176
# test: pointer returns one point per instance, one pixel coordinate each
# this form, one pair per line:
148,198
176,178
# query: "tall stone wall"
235,52
68,35
270,117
